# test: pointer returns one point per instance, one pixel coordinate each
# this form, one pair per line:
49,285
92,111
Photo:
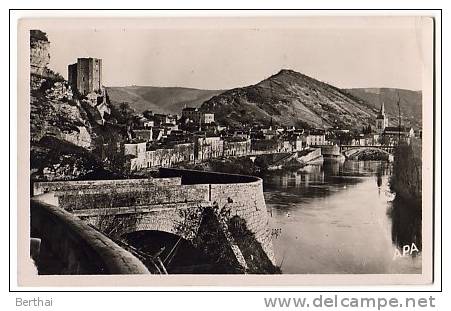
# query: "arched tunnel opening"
178,255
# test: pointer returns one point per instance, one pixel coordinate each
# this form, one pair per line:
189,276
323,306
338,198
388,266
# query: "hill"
159,99
291,98
410,102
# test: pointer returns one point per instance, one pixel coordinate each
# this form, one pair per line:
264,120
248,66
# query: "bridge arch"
355,151
168,220
177,254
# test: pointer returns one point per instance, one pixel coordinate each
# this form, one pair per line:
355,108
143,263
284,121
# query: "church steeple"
381,119
382,111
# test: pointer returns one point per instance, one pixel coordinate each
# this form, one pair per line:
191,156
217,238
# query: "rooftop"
397,129
190,109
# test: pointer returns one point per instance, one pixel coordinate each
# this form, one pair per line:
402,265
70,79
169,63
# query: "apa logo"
407,250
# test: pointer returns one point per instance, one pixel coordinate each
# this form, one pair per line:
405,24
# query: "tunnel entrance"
178,255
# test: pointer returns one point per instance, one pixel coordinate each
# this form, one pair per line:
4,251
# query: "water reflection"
339,218
379,177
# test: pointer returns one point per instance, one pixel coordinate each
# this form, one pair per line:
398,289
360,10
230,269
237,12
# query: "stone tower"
381,120
86,75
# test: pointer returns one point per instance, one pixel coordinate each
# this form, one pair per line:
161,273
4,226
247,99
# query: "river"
341,218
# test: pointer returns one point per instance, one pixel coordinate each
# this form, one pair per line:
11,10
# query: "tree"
148,114
124,108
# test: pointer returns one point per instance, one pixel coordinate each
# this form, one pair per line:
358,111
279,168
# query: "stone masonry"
158,204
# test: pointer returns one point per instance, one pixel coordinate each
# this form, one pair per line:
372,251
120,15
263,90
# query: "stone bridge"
174,203
350,151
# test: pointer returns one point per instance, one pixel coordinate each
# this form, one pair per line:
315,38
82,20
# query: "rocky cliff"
66,131
290,98
39,52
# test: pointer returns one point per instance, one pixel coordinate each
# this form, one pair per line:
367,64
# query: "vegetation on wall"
256,258
213,229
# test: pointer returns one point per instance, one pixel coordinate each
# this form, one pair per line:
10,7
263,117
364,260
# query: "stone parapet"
80,248
96,185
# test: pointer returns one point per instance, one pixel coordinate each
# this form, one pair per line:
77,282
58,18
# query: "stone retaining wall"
241,194
238,195
152,195
129,184
246,201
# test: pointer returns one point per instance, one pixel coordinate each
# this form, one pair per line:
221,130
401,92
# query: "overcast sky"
223,54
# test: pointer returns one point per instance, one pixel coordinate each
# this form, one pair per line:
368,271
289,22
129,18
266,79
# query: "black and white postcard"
226,150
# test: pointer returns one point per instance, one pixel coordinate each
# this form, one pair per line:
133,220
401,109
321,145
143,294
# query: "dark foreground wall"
80,249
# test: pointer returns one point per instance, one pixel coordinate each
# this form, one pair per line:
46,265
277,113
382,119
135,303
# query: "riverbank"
241,165
260,164
406,178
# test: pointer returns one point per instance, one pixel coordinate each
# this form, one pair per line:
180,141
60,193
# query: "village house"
365,140
177,135
220,128
143,134
148,123
158,133
136,149
169,127
208,147
207,118
236,146
172,118
191,113
241,134
140,121
163,156
182,152
163,131
297,144
197,116
268,133
284,145
264,146
160,119
393,134
315,138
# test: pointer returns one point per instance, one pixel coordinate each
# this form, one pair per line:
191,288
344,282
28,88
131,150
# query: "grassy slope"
411,105
291,98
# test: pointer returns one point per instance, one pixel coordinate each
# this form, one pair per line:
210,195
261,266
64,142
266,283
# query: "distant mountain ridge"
160,99
291,98
286,98
410,102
